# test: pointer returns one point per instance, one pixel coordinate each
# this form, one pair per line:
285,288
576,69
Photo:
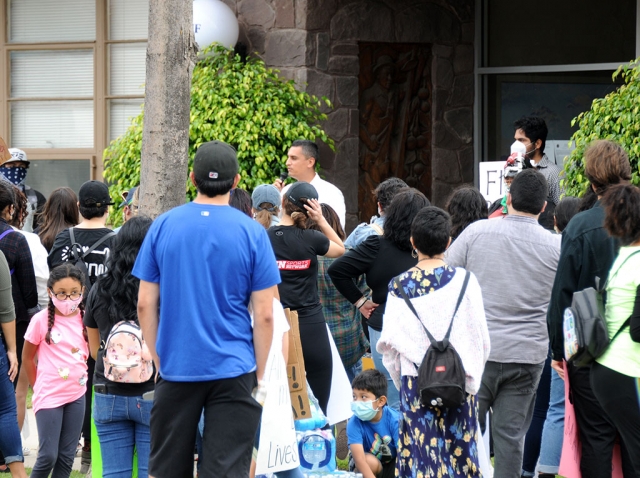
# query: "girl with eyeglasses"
59,337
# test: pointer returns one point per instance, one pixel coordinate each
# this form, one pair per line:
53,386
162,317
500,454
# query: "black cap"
94,194
299,193
215,161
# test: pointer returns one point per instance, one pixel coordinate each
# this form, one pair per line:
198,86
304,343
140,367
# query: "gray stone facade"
315,42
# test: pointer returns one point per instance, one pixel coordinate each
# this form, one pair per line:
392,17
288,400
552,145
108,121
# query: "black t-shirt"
96,316
297,252
380,260
95,261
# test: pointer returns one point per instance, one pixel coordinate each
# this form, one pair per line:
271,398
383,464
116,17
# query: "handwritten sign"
571,446
5,155
278,444
490,180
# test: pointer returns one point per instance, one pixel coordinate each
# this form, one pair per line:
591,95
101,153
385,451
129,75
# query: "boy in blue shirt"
372,432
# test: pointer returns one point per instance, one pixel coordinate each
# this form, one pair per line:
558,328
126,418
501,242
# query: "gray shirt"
515,261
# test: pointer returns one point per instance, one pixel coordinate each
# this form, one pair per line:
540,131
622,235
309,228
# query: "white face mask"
518,147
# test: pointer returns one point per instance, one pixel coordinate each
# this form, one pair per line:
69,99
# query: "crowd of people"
170,322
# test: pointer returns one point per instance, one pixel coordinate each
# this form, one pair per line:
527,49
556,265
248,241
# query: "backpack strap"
91,249
378,229
445,342
5,233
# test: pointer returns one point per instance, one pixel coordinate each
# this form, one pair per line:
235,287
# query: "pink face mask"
67,306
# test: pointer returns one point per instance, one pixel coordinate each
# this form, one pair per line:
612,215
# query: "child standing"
372,432
58,336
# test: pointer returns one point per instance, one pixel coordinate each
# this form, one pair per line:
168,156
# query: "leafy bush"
614,117
240,102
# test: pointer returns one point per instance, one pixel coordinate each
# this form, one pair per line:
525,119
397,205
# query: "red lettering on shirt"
294,265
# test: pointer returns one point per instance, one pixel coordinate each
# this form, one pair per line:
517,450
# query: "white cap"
18,155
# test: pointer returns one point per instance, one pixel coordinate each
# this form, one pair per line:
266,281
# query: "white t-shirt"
40,266
327,194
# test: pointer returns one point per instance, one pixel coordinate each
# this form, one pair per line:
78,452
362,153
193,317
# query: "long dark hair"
117,286
64,270
60,212
400,214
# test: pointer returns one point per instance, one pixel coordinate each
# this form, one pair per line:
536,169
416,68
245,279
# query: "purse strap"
445,342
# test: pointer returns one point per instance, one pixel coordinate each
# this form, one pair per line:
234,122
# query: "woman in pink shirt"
59,338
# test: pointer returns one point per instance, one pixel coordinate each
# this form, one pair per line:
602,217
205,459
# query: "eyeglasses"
63,296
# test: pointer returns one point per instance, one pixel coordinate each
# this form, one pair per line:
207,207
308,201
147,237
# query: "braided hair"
60,272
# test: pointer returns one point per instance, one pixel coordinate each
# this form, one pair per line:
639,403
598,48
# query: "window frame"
482,73
101,95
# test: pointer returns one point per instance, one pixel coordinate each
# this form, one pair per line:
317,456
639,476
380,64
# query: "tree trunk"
171,52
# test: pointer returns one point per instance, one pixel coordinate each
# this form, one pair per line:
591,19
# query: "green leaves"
614,117
244,104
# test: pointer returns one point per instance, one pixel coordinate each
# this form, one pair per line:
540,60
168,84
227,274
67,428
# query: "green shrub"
614,117
243,103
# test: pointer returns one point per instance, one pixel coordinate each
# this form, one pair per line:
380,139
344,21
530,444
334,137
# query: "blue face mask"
15,176
364,410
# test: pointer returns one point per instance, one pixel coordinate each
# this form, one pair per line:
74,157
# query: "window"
545,60
76,72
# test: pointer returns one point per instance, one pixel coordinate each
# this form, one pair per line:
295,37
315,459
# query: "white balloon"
214,21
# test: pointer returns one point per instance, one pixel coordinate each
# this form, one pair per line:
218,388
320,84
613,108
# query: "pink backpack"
126,357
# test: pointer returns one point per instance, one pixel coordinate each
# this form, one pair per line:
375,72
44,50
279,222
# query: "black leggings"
316,351
619,396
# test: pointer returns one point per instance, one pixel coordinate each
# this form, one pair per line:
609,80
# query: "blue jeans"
10,441
553,431
393,396
122,424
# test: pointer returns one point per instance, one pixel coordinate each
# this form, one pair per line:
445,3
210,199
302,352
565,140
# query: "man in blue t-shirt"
372,432
200,267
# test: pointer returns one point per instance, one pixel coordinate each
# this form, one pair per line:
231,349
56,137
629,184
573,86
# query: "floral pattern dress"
435,442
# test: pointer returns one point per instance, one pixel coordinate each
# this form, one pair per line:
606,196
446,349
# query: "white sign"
491,184
278,449
341,395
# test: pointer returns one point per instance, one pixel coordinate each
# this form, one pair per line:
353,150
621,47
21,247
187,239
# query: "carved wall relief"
395,118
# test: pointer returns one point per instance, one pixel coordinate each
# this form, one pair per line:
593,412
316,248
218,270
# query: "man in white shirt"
301,164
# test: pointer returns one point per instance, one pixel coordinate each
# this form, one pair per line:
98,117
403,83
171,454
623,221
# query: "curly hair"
400,214
117,286
622,212
386,190
535,128
63,271
60,212
465,206
21,205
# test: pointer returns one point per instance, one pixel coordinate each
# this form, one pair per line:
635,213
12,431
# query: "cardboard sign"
278,444
571,446
5,155
295,363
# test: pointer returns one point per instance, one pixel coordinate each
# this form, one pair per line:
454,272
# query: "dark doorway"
395,118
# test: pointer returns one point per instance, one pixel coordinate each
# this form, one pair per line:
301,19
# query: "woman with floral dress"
435,441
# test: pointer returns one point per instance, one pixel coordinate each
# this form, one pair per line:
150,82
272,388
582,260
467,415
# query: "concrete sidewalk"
32,443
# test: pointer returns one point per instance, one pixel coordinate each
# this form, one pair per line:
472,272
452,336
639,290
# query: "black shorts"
231,420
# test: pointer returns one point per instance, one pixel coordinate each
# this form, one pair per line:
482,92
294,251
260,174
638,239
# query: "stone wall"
315,42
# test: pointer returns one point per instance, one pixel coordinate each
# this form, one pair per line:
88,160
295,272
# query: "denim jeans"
10,441
393,396
553,431
122,424
509,389
354,370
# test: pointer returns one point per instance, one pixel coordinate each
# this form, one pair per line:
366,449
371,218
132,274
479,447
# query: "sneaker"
26,451
342,448
85,460
85,468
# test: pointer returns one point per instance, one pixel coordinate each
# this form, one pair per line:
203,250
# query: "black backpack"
586,336
441,375
79,256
